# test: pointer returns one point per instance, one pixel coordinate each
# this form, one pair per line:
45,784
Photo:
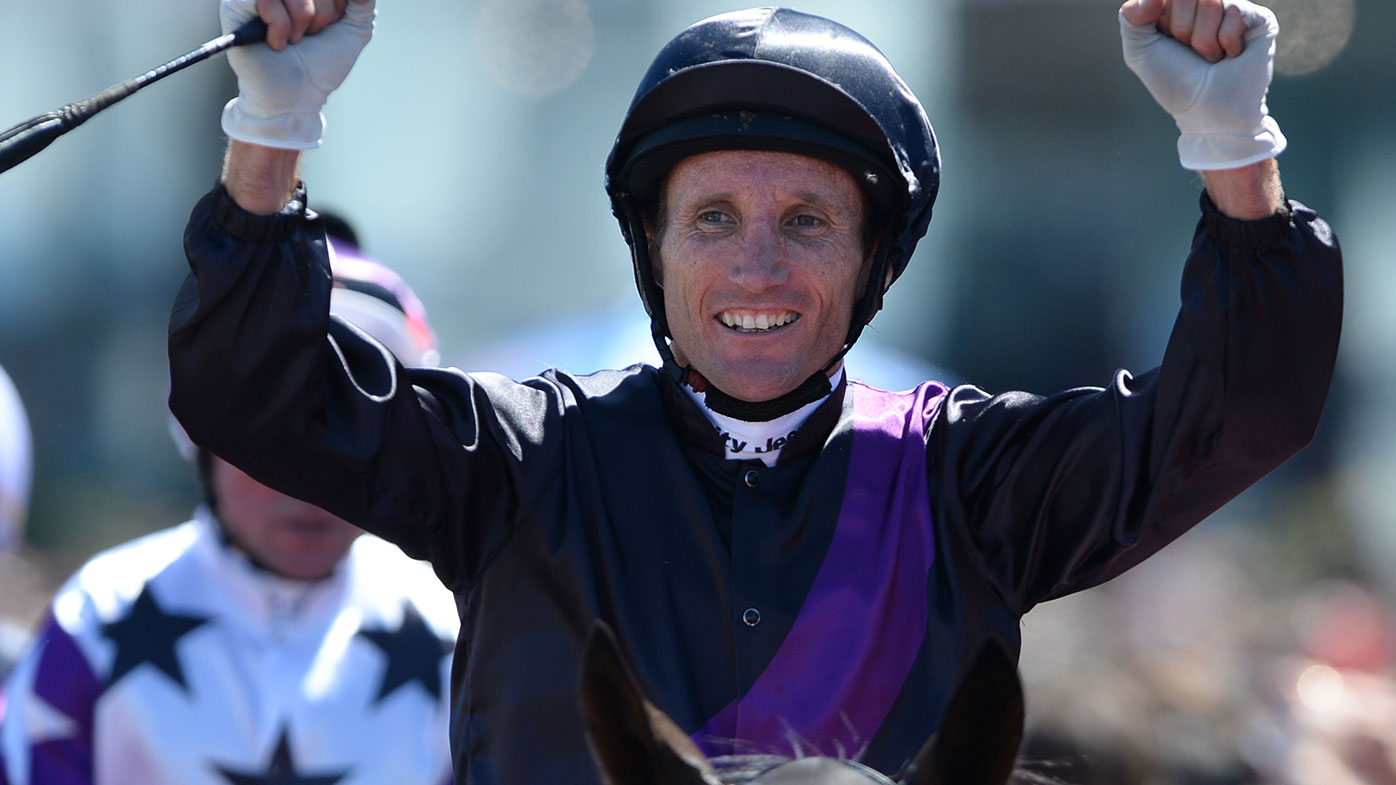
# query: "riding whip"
29,137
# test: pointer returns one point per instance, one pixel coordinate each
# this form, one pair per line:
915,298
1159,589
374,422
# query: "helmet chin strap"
812,389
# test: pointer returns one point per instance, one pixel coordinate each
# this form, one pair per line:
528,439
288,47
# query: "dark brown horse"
634,743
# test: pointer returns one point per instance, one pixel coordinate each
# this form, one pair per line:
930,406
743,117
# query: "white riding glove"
280,94
1219,107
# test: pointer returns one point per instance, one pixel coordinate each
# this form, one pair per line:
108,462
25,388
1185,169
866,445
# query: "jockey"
264,640
796,562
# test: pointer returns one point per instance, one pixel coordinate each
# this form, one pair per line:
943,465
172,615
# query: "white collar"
744,440
262,597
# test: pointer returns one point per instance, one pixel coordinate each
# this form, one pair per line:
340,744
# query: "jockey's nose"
761,263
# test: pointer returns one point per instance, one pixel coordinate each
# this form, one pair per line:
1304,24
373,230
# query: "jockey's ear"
632,741
978,739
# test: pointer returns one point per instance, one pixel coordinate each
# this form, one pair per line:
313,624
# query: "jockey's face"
760,255
284,535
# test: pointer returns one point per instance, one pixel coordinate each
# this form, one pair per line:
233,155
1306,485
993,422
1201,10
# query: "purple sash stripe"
838,672
61,762
65,679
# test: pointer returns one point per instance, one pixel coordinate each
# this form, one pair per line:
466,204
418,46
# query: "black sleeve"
434,460
1056,494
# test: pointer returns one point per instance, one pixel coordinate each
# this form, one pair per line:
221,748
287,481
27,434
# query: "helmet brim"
750,104
656,154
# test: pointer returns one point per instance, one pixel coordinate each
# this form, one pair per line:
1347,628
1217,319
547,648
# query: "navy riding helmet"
780,80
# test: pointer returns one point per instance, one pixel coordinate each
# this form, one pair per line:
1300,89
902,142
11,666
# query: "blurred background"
467,149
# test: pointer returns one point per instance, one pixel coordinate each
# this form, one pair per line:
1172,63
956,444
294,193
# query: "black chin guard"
813,389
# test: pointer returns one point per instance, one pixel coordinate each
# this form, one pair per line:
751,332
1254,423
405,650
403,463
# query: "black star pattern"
281,770
148,634
413,652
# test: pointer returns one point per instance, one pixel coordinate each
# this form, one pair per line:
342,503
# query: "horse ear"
632,741
979,736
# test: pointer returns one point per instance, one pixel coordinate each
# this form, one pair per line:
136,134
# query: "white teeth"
765,321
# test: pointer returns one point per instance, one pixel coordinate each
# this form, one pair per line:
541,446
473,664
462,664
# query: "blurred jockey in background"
263,640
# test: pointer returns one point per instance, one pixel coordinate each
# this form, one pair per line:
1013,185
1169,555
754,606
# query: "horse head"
634,743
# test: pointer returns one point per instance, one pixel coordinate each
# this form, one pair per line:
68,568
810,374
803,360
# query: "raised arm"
1208,63
1059,493
264,378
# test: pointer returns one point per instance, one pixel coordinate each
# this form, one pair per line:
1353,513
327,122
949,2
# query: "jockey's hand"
283,85
1208,63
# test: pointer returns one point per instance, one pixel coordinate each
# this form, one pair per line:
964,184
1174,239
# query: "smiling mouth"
757,322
